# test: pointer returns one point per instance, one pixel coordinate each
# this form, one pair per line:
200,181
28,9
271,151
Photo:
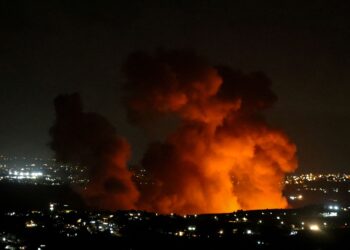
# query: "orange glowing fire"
223,156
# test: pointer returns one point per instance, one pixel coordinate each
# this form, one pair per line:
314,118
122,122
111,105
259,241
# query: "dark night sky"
59,46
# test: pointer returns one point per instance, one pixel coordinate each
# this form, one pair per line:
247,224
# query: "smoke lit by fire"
222,156
89,139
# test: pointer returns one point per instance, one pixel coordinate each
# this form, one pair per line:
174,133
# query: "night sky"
60,47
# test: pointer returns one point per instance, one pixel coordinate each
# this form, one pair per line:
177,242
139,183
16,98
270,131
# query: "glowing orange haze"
222,157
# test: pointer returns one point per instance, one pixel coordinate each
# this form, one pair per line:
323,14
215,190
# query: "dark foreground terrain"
54,217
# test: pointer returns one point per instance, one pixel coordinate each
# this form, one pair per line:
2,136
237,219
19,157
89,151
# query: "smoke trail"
88,139
223,156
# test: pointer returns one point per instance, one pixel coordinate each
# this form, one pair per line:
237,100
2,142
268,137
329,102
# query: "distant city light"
296,197
329,214
30,224
52,206
39,171
293,232
191,228
333,207
314,227
181,233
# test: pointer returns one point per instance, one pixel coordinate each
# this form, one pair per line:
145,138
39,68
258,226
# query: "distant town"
62,225
302,189
40,171
320,207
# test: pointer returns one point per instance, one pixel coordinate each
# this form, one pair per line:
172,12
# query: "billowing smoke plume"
88,139
222,156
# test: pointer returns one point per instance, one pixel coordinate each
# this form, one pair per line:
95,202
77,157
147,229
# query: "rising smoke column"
222,156
88,139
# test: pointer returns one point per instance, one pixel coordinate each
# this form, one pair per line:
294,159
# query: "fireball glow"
221,156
